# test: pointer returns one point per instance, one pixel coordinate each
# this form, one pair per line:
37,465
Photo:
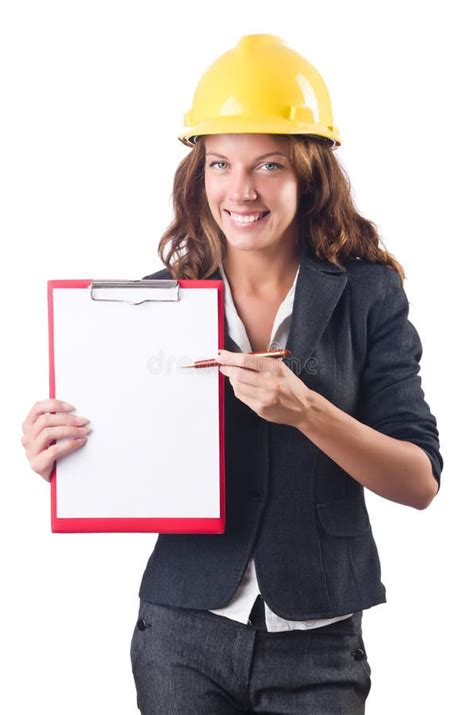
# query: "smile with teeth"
251,218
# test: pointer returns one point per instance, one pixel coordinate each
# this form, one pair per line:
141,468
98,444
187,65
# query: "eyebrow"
263,156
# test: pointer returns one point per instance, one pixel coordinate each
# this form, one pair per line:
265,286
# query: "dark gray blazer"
303,517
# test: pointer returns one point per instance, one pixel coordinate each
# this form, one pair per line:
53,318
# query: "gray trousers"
193,662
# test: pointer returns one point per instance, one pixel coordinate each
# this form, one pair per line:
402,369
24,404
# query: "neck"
258,272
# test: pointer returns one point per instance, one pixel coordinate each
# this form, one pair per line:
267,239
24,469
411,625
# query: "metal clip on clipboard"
163,290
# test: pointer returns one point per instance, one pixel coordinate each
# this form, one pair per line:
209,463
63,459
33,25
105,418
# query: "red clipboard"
85,321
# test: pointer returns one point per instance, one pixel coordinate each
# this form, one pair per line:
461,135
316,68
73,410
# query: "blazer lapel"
318,289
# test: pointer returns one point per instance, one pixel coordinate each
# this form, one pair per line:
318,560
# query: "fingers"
43,462
50,434
244,377
39,408
47,421
250,362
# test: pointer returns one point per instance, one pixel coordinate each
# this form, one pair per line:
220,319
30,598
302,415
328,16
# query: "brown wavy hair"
329,225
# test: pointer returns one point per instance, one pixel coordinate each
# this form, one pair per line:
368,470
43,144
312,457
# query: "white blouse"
241,604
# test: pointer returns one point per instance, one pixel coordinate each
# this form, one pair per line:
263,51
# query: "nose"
241,188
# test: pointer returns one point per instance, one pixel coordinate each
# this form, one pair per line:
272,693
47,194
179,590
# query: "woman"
267,617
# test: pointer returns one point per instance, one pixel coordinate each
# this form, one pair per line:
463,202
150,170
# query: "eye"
216,162
268,163
273,163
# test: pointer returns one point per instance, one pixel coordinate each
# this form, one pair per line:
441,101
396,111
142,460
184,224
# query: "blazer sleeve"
392,400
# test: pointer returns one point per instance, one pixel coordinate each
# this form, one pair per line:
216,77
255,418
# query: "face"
249,175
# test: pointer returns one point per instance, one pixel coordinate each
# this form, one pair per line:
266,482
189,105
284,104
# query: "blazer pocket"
344,517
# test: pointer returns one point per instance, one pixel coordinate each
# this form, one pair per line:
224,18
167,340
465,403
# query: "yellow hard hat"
260,86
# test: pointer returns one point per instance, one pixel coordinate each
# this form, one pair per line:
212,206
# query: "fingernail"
67,406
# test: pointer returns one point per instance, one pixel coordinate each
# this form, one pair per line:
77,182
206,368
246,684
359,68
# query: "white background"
93,96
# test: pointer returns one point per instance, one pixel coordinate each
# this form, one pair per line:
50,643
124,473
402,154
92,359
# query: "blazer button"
358,654
142,624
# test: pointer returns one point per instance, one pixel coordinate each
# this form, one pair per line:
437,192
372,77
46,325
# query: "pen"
213,363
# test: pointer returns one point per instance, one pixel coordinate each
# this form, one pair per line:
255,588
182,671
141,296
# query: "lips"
246,213
261,214
249,225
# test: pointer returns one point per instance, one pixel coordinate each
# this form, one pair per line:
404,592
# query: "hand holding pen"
269,387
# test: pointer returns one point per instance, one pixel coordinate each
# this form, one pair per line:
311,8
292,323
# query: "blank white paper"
154,446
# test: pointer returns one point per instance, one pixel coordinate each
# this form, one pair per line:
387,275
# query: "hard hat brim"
236,126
